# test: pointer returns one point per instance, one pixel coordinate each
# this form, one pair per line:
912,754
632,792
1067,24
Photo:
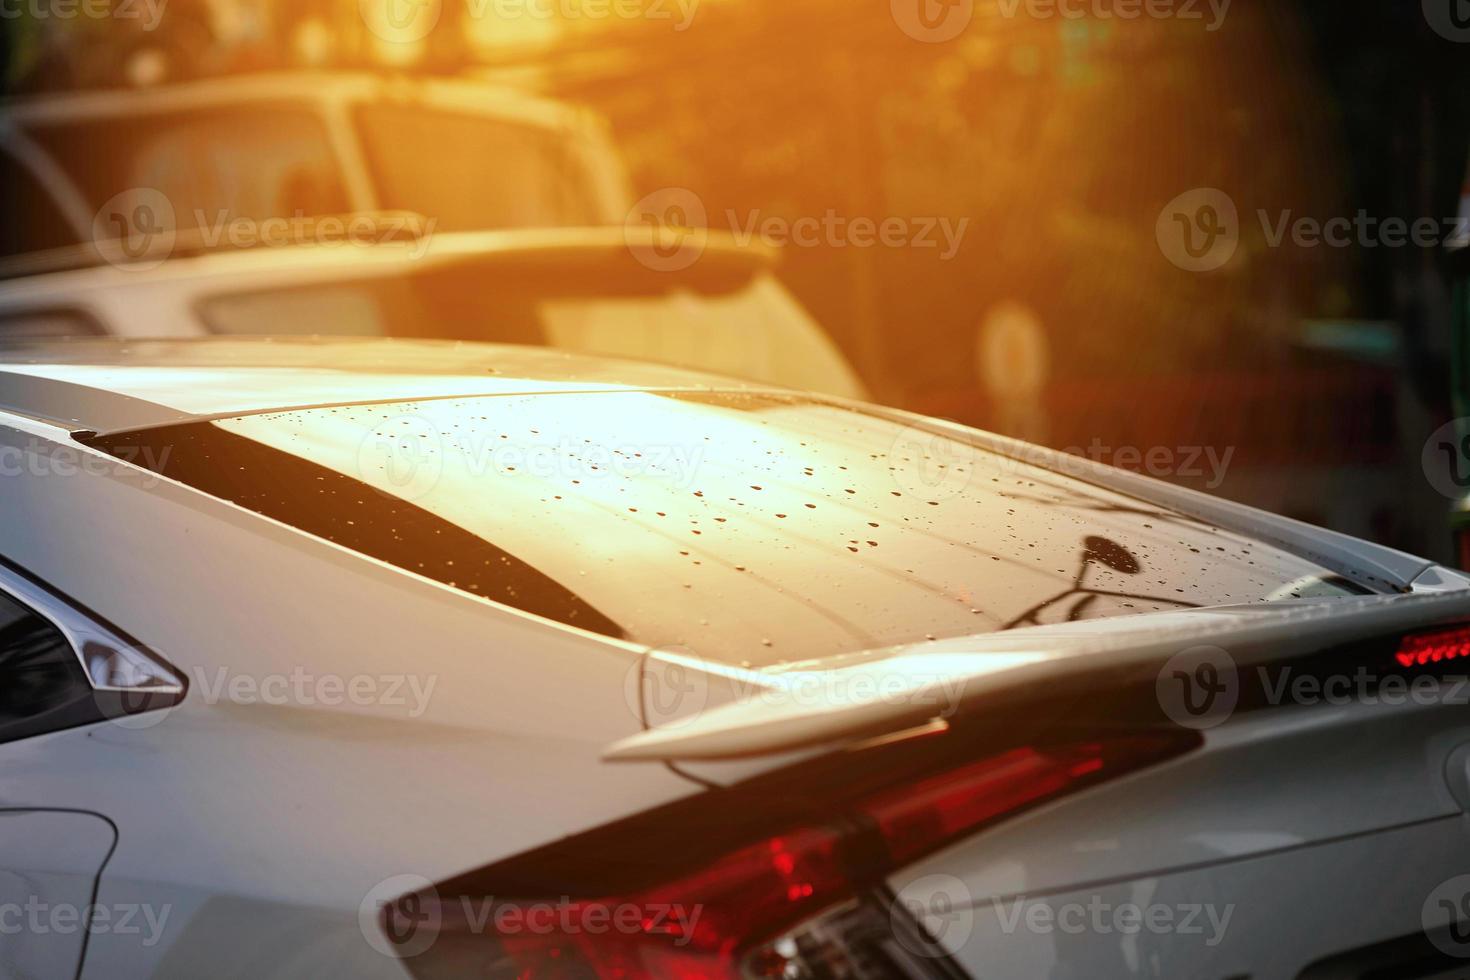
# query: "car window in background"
748,528
255,162
486,173
747,327
32,221
759,332
350,310
48,325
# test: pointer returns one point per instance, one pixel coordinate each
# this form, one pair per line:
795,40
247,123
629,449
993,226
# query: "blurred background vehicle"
1317,374
286,144
578,289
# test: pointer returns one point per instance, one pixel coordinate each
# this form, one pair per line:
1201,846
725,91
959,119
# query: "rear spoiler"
973,672
888,692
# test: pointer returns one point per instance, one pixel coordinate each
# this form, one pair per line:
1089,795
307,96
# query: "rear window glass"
748,528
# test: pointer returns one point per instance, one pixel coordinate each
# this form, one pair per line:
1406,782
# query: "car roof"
113,385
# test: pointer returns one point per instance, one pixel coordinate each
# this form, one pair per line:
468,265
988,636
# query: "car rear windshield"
748,528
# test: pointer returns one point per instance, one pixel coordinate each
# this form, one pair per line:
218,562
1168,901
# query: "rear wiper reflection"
1096,550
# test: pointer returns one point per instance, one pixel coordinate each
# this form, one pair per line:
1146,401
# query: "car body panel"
502,755
1263,782
1269,917
50,861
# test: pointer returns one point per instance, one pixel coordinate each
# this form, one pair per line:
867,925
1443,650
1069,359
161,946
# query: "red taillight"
916,819
693,928
1433,648
704,925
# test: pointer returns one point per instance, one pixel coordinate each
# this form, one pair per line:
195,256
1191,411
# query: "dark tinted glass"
39,672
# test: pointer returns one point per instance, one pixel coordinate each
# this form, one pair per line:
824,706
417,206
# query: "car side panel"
1266,918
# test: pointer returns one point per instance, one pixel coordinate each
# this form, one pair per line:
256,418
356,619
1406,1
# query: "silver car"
387,659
